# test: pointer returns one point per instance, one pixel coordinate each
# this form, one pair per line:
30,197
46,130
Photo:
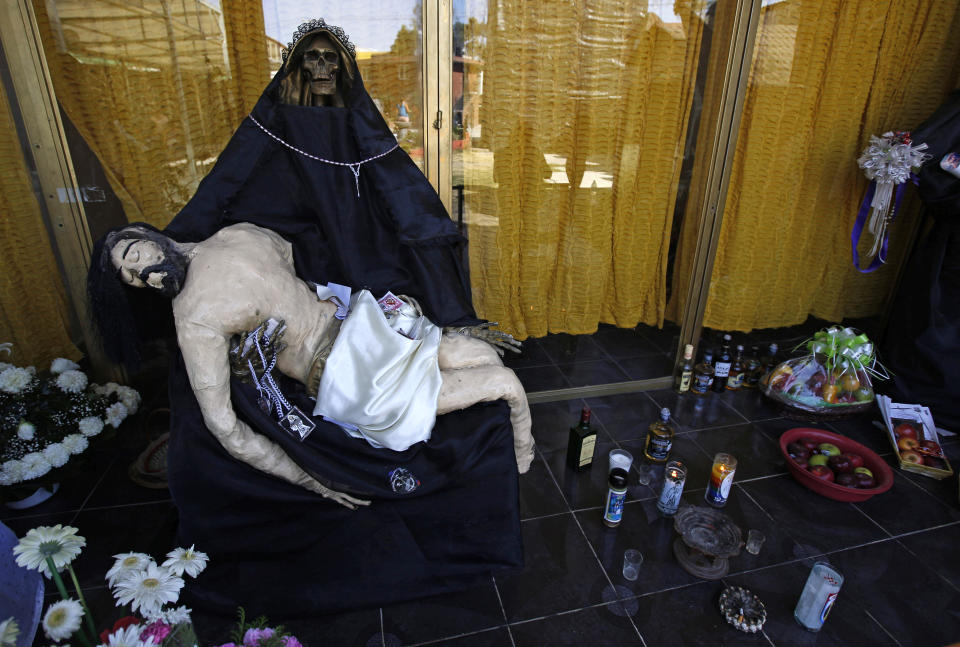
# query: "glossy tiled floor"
897,551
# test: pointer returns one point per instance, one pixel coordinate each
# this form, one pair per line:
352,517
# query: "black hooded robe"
276,548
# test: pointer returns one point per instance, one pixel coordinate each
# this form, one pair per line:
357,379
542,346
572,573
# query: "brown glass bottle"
735,378
752,369
722,366
685,371
659,438
703,375
582,442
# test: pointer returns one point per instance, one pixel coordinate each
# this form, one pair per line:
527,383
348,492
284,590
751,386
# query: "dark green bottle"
582,442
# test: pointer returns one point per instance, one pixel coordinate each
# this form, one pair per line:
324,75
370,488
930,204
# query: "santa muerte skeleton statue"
310,211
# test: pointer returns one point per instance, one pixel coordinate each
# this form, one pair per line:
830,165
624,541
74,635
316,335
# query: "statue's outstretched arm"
205,355
498,339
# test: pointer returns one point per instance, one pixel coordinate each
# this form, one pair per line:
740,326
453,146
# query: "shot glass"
645,472
632,559
620,458
755,540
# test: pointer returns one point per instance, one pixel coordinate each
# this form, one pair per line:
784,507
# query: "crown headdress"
313,25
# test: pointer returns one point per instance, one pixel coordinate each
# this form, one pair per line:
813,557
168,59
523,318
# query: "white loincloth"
379,384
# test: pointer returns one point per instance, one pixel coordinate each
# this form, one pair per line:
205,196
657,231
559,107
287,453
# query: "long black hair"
125,317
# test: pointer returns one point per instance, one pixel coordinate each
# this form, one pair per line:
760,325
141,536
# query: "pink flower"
155,631
253,636
229,645
291,641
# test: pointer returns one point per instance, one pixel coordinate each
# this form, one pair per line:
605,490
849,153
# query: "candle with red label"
721,480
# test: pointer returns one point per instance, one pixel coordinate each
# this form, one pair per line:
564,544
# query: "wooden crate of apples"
913,435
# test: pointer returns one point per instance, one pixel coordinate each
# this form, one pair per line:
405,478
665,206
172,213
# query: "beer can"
819,594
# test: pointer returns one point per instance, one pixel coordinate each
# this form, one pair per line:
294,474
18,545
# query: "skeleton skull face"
321,61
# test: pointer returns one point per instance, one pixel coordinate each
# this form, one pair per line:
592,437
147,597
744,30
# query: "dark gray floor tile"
624,342
862,430
928,547
689,617
906,508
436,617
645,529
597,371
665,338
116,488
21,525
566,349
688,452
691,411
541,378
646,368
945,490
904,595
531,354
816,523
779,589
71,494
752,404
756,454
626,416
606,624
539,493
560,571
552,422
587,487
490,638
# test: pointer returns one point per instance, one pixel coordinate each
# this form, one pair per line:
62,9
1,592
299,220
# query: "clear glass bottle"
752,369
659,438
735,378
703,375
685,371
582,442
721,368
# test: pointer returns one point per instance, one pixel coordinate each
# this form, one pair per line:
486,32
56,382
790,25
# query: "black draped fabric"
279,549
922,342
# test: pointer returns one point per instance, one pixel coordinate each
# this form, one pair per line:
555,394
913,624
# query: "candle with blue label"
721,480
674,477
616,494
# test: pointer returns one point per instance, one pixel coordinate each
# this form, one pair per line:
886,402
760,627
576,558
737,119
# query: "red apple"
907,443
796,450
840,464
802,462
810,443
905,430
855,459
911,457
822,472
846,480
931,446
865,480
934,462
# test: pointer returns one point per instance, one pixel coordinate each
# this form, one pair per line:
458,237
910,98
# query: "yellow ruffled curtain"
584,111
825,76
33,307
155,88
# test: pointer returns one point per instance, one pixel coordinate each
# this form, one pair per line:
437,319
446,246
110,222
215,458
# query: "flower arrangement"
48,418
256,633
149,590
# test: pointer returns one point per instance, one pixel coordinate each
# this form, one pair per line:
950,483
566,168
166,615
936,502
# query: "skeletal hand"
498,339
340,497
244,348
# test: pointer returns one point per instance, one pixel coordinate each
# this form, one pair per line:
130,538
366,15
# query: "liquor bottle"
751,377
703,375
582,442
768,363
721,368
616,494
685,372
659,438
735,378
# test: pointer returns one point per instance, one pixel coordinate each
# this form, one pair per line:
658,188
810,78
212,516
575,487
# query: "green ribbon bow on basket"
847,350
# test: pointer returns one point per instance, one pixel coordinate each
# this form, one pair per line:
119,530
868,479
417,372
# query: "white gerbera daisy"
126,564
174,617
26,430
75,443
35,465
127,637
9,632
116,413
186,560
62,619
90,426
72,381
57,454
11,472
15,379
62,364
148,590
59,543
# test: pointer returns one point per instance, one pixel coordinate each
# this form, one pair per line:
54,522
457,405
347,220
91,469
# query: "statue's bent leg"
465,387
458,351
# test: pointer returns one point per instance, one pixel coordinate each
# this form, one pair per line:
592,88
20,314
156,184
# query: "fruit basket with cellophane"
834,377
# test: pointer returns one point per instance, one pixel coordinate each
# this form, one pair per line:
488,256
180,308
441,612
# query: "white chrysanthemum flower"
130,398
116,413
127,637
15,379
59,543
57,454
4,366
72,381
62,619
186,560
90,426
26,430
9,632
127,564
62,364
148,590
75,443
174,617
35,465
11,472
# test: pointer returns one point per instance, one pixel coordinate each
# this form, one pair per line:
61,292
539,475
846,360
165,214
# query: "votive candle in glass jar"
721,480
674,477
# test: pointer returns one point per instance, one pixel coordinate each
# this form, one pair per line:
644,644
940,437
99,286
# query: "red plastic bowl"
881,471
